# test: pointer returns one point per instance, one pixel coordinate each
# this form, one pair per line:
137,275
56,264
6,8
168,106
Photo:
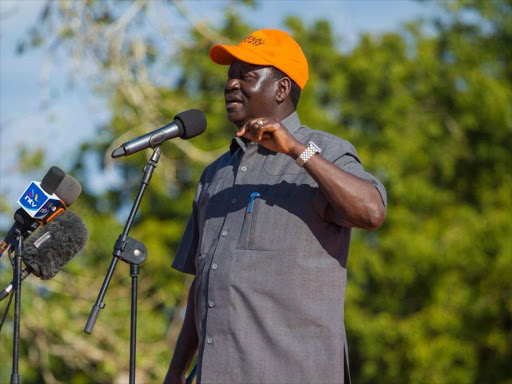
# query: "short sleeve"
184,260
352,164
345,157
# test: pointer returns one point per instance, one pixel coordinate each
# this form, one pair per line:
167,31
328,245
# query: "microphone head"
55,244
68,190
22,218
118,152
52,179
192,121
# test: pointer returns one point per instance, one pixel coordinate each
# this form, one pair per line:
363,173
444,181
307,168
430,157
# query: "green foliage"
429,294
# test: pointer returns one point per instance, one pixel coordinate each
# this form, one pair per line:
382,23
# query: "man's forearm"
187,343
356,199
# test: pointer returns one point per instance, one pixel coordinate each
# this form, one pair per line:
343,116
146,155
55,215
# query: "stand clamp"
130,250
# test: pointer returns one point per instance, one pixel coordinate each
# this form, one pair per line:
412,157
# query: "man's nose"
232,84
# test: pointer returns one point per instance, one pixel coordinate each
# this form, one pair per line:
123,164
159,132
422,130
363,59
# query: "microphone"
24,223
64,190
68,191
186,125
52,179
39,197
7,290
52,247
23,220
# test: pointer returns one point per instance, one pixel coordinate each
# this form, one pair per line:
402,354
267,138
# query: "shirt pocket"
276,222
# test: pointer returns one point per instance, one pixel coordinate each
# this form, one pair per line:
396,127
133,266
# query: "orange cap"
266,47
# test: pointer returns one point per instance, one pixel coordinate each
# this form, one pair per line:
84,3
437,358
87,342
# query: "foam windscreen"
55,244
68,190
52,179
193,121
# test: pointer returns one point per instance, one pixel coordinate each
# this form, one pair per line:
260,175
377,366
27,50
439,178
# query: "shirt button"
211,303
224,233
209,340
233,201
214,266
243,168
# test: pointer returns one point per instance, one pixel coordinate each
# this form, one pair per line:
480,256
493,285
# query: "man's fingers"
242,130
260,134
249,129
257,130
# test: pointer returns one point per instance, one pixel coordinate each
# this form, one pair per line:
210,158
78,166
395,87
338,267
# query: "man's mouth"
232,101
232,104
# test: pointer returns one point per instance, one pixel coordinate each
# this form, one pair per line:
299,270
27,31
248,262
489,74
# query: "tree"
428,299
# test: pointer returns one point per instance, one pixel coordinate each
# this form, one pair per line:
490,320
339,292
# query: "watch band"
308,153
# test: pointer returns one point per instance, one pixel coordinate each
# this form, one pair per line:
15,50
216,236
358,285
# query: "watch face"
315,147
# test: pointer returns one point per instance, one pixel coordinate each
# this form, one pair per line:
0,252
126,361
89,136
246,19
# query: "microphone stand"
15,377
132,252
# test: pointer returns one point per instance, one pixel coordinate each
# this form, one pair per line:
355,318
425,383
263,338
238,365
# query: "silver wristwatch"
307,154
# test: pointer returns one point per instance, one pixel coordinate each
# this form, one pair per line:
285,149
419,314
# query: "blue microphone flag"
36,202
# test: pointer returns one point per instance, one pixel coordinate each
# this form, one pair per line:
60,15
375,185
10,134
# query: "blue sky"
74,112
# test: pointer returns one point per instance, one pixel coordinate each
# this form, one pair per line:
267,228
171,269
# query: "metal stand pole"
134,272
15,377
132,252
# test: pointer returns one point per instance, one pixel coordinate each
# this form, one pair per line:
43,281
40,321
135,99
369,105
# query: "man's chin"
236,119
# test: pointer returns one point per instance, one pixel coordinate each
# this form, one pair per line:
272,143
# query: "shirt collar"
291,122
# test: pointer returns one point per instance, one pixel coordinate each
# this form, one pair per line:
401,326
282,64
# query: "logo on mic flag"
30,200
32,196
36,202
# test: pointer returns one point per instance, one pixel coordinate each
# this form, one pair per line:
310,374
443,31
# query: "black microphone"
23,222
52,179
52,247
186,125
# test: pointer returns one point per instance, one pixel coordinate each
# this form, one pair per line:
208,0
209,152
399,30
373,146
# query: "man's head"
267,72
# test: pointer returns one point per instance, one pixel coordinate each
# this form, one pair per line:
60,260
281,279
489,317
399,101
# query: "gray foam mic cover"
194,123
68,190
55,244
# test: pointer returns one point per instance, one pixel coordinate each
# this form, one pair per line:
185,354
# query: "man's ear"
284,86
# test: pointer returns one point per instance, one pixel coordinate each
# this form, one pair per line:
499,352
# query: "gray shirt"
271,273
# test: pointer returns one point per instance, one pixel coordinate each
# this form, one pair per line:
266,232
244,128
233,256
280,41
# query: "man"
269,232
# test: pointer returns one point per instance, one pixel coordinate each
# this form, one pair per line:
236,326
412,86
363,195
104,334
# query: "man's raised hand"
271,134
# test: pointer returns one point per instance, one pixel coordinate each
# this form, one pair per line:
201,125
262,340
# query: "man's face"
249,92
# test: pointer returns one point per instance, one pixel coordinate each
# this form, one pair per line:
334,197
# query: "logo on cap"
253,40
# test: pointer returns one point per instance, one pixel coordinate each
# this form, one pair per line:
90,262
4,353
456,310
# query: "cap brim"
227,54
